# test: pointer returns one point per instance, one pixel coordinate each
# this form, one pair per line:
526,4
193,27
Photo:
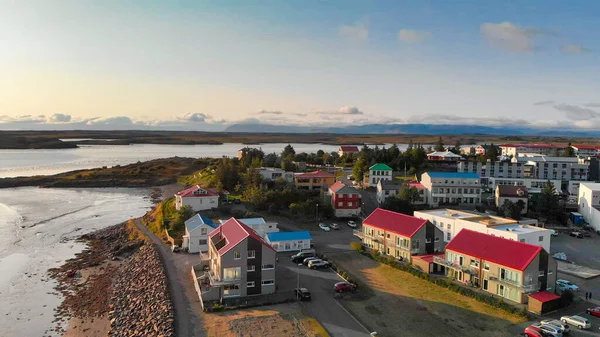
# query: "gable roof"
390,184
456,175
585,147
380,167
198,220
544,296
189,192
513,254
534,146
444,154
340,188
316,174
349,148
235,232
288,236
398,223
512,191
416,185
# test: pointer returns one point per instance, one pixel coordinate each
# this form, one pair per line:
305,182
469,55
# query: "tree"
439,145
256,196
456,147
270,159
408,193
569,152
177,223
397,205
492,153
511,210
359,169
288,165
547,202
227,173
256,163
288,152
320,153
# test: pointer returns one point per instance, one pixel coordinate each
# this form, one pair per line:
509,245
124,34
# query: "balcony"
511,283
442,261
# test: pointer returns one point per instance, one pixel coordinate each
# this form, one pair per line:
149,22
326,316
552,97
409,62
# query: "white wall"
198,203
347,213
587,199
291,245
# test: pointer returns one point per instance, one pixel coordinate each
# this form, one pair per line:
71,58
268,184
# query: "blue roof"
288,236
198,220
456,175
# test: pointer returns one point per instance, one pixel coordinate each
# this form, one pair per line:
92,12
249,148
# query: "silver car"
551,330
555,322
577,321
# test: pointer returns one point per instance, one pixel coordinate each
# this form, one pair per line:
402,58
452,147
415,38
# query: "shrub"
357,246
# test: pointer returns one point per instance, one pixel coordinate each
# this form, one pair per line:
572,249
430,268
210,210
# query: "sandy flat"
88,327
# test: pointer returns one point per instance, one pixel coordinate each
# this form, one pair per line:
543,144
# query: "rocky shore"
116,287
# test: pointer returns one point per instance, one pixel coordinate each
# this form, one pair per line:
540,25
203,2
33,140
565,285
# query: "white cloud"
23,119
576,113
59,118
574,49
413,36
510,37
345,110
193,117
359,32
268,112
593,104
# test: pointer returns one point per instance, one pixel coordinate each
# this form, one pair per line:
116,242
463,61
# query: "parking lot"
579,309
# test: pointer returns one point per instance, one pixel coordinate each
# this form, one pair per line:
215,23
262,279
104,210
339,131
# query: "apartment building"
498,169
451,188
513,194
272,173
240,263
315,180
552,168
589,203
452,222
400,235
586,150
506,268
379,172
345,200
387,188
545,149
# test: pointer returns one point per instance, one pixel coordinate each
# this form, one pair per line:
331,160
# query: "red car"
594,311
342,287
533,331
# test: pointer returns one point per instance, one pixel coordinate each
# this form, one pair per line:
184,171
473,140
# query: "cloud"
576,113
119,121
592,105
193,117
544,103
358,32
250,120
510,37
267,112
346,110
300,114
59,118
413,36
23,119
574,49
457,120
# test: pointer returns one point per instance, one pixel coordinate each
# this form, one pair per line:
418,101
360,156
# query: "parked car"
308,259
576,235
316,264
342,287
577,321
566,285
563,326
301,256
302,294
594,311
560,256
551,330
533,331
324,227
334,226
351,224
553,232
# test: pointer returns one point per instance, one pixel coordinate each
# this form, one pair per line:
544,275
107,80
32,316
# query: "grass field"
398,301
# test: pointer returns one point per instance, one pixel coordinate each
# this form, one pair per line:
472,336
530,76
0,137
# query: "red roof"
337,186
316,174
505,252
586,147
235,232
544,296
540,146
416,185
189,192
428,257
398,223
349,148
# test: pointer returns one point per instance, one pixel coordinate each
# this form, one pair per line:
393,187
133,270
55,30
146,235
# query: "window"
234,273
267,282
251,267
202,241
437,239
250,284
474,263
449,227
541,238
486,266
350,204
427,240
202,231
340,204
541,273
237,255
251,254
268,266
448,236
522,240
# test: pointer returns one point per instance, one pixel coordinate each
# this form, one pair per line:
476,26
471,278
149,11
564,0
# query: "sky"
203,65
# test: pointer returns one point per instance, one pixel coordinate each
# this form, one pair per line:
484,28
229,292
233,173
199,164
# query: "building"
400,235
451,222
586,150
272,173
545,149
240,263
198,198
348,149
502,267
593,167
496,169
345,200
421,198
314,180
289,241
387,188
379,172
443,156
553,168
534,186
197,229
259,225
482,149
451,188
589,203
513,194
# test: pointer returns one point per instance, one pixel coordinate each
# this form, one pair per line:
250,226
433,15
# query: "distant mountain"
423,129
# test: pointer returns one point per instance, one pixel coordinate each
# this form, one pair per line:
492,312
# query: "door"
485,284
288,246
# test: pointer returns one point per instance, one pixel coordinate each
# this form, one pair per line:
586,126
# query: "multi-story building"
259,225
451,188
197,229
593,167
497,169
589,203
240,263
586,150
379,172
272,173
502,267
315,180
513,194
545,149
400,235
421,197
198,198
534,186
387,188
552,168
348,149
451,222
345,200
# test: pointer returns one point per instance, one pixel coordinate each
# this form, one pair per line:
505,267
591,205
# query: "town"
513,227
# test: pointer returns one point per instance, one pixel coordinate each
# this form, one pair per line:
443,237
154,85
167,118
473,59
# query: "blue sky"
202,65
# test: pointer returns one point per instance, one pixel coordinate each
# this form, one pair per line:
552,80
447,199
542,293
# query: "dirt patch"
89,327
267,326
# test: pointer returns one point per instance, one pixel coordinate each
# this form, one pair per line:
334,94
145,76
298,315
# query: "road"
185,319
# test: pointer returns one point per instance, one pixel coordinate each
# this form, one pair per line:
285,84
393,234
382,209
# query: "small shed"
425,262
289,241
543,302
576,218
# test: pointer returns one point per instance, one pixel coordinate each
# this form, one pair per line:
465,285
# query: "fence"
250,301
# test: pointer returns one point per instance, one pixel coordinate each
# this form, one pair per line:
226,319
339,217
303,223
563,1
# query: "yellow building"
314,180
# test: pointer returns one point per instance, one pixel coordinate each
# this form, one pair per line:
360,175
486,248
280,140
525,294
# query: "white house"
379,172
589,203
513,194
198,198
451,188
387,188
289,241
197,229
348,149
272,173
259,225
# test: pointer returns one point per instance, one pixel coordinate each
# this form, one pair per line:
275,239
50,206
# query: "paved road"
184,317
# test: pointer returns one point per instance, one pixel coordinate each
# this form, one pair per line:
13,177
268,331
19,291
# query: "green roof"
380,167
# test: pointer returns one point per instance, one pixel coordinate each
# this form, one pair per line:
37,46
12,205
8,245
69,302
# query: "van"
301,256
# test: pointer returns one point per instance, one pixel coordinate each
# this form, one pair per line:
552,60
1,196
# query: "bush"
357,246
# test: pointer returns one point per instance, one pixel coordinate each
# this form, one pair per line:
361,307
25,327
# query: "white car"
334,226
566,285
577,321
555,322
324,227
551,330
351,224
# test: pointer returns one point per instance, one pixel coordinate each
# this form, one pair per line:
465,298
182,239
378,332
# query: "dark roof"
398,223
349,148
390,184
513,191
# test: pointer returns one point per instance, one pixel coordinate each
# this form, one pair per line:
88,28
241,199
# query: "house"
259,225
197,229
400,235
421,198
345,200
272,173
451,188
240,263
379,172
506,268
545,149
314,180
243,151
198,198
482,149
586,150
589,203
451,222
443,156
348,149
289,241
513,194
387,188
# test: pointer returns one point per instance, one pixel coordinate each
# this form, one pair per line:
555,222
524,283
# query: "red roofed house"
240,263
345,200
348,149
198,198
586,150
400,235
545,149
314,180
503,267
